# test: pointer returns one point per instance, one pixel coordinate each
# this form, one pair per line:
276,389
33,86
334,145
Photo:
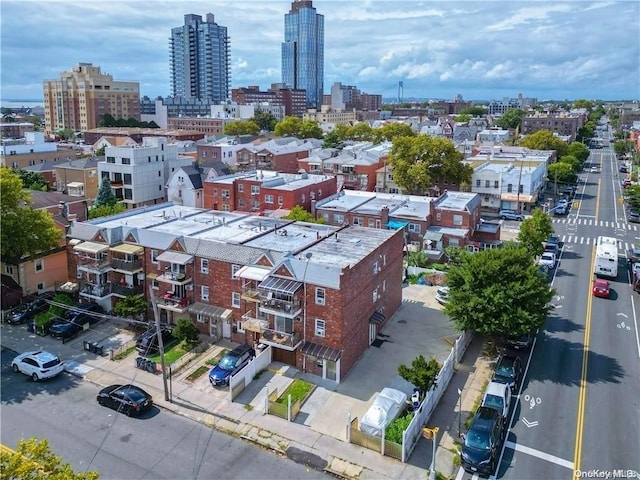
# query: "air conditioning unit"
188,288
298,319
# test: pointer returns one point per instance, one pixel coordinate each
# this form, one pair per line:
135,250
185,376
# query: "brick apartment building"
280,154
293,100
137,134
317,294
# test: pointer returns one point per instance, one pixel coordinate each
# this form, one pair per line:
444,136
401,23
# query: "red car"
626,183
601,288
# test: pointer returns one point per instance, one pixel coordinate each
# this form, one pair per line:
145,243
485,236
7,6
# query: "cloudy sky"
482,50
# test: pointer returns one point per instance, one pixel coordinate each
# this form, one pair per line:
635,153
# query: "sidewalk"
301,443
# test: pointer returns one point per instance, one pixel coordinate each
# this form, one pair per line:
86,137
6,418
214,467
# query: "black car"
129,399
483,441
522,342
508,370
74,320
231,363
147,343
27,311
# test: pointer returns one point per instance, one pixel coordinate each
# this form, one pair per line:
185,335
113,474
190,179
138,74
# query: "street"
156,445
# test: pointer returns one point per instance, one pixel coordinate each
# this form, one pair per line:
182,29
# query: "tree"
130,306
512,118
632,196
463,117
420,161
545,140
265,120
582,103
576,165
34,460
66,134
101,151
23,230
498,292
477,111
33,181
299,214
621,147
560,172
421,374
186,331
579,150
288,127
106,210
55,310
331,139
389,131
534,230
242,127
107,120
310,129
105,194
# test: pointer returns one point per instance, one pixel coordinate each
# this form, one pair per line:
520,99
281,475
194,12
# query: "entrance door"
372,333
226,328
331,369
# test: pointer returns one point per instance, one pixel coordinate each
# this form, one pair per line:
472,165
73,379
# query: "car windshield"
227,363
505,369
494,401
477,439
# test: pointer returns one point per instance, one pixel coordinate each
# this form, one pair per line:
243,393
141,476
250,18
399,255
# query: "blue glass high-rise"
303,51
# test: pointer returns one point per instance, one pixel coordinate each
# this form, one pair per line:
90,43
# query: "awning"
396,224
280,285
255,325
321,351
75,185
434,236
128,249
216,313
175,257
253,273
91,247
514,197
377,318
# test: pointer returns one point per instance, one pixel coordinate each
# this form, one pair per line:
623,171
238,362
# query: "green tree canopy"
105,195
100,152
310,129
186,331
498,292
33,181
545,140
475,111
421,374
361,132
34,460
242,127
24,231
106,210
420,161
534,230
296,127
463,117
632,196
130,306
579,150
512,118
576,165
265,120
389,131
301,215
561,172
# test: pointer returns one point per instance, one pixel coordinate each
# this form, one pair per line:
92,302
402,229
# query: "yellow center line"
583,377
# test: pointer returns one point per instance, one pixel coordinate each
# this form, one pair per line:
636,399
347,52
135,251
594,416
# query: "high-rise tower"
200,59
303,51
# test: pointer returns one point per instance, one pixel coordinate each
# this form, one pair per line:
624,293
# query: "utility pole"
156,316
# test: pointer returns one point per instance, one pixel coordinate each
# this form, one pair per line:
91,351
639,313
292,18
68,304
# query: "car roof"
600,282
240,350
496,388
44,356
484,418
508,359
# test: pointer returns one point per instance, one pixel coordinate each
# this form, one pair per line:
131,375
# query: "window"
239,327
520,188
204,292
496,184
415,227
215,192
338,218
39,264
159,173
320,296
384,286
40,286
111,159
268,199
438,216
200,318
454,242
240,187
235,300
280,200
457,219
255,190
375,295
371,223
225,193
128,194
8,269
154,255
234,271
510,188
204,265
320,327
126,161
487,183
225,207
478,183
155,285
358,221
376,269
127,178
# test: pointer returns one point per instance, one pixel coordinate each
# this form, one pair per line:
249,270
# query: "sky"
482,50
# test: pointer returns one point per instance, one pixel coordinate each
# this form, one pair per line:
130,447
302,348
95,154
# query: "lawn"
202,369
173,353
298,389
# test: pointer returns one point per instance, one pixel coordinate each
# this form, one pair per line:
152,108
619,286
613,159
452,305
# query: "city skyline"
482,51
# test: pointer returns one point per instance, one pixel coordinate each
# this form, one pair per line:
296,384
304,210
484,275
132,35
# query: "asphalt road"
158,445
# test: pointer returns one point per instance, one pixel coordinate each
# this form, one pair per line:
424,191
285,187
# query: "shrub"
394,431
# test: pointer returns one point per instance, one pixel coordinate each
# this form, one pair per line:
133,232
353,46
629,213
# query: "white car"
594,169
38,365
548,260
442,295
498,397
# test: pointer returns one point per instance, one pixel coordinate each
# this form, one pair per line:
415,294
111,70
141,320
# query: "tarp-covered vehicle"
386,407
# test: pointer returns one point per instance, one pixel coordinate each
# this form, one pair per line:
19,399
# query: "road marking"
460,474
537,453
620,314
635,322
528,423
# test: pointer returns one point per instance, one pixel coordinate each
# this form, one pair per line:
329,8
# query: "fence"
115,352
188,357
288,410
421,415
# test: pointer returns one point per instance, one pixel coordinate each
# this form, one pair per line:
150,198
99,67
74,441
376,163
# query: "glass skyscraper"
303,51
200,59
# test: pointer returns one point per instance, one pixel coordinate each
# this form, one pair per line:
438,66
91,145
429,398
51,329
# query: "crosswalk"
597,223
579,240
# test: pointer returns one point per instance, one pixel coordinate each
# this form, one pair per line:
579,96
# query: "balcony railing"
282,306
177,278
126,265
92,290
173,303
92,262
250,293
280,339
125,290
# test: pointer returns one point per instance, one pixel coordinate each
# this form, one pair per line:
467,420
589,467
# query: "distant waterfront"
18,103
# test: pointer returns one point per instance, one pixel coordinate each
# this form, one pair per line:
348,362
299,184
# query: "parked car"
386,407
508,370
561,209
442,295
568,191
497,396
626,183
633,254
633,216
522,342
38,365
147,343
623,168
28,310
129,399
230,364
75,320
594,169
601,288
483,442
548,259
510,215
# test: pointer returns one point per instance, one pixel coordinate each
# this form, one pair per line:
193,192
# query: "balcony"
283,307
250,293
253,324
169,301
125,290
88,262
95,291
287,341
174,278
129,266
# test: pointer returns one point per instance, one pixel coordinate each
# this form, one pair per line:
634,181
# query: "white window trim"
235,299
320,329
320,300
204,269
234,271
204,292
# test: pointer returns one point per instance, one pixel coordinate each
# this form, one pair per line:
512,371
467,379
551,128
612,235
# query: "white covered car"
386,407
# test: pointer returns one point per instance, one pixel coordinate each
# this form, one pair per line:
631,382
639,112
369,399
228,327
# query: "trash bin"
87,346
99,349
140,362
